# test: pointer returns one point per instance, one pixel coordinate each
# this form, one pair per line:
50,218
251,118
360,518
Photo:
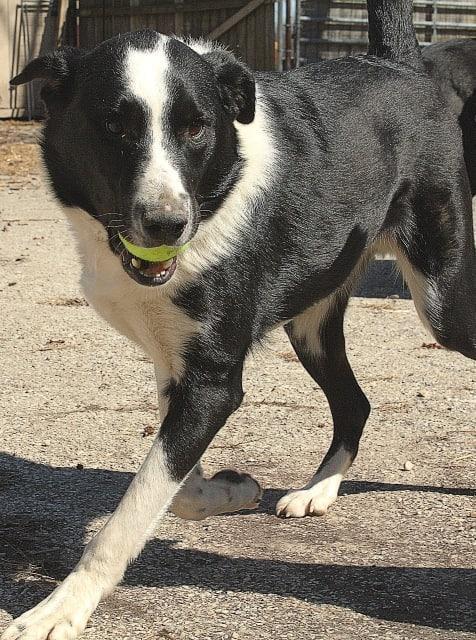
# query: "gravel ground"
393,560
19,155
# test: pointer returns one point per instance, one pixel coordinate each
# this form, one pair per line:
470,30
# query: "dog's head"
140,134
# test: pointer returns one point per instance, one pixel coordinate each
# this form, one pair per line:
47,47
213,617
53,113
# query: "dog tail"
391,31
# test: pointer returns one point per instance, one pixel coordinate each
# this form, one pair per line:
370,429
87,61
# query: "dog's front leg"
198,407
201,497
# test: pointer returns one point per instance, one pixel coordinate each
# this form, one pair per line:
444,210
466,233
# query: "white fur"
135,519
145,315
316,497
201,497
201,46
63,615
306,326
146,73
422,289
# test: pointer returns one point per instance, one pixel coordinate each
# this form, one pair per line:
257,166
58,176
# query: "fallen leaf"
431,345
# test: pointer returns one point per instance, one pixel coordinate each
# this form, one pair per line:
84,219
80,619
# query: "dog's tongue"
156,268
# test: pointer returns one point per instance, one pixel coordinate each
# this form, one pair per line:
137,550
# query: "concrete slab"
393,560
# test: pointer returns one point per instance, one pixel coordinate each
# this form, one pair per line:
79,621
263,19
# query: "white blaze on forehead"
147,72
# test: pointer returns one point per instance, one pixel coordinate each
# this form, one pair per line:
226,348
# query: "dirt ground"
393,560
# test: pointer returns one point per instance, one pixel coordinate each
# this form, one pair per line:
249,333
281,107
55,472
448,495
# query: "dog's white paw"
61,616
317,496
306,502
227,491
244,492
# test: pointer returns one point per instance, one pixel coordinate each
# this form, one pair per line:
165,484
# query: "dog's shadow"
46,510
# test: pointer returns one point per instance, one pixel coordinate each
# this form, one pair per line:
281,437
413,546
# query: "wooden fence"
248,28
31,27
253,29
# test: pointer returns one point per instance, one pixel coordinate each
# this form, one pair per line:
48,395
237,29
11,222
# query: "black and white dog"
453,67
284,186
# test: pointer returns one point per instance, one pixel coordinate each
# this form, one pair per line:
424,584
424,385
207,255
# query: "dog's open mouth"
150,274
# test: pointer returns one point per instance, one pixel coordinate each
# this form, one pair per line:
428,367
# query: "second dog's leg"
318,339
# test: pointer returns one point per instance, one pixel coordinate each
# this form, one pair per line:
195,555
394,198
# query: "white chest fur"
145,315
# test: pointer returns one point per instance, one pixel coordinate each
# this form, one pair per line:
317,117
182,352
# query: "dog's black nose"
165,230
162,226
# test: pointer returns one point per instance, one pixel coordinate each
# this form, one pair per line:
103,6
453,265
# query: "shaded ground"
394,559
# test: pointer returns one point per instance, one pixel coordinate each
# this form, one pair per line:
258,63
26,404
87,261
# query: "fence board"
251,33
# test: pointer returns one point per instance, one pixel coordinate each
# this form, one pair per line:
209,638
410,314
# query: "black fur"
453,66
391,32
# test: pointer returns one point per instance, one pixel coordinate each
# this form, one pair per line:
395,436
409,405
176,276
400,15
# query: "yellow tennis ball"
152,254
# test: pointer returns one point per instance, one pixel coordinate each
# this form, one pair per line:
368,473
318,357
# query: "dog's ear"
56,68
237,84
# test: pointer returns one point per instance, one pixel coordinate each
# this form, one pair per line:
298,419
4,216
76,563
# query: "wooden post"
288,60
234,19
60,20
178,17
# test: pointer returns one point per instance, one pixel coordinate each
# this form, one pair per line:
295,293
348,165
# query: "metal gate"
24,36
332,28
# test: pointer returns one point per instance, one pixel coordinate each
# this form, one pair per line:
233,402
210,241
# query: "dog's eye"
195,129
192,132
114,127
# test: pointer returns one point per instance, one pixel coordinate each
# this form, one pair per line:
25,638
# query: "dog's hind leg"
434,245
225,492
318,339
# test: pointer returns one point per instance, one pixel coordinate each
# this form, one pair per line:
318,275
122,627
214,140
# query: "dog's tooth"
136,263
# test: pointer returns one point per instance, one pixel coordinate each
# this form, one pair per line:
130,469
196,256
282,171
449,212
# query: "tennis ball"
152,254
